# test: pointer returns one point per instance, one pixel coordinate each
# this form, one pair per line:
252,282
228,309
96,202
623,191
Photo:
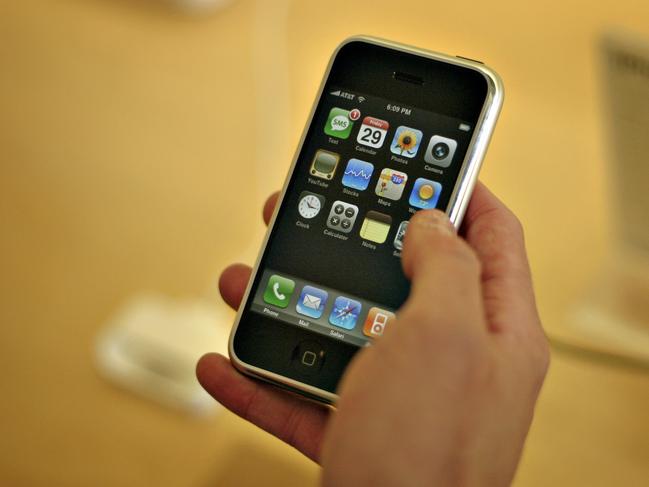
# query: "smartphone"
393,130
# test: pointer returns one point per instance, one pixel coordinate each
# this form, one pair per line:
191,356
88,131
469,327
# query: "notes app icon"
376,226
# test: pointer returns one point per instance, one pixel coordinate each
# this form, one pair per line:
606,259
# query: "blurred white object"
626,97
199,6
152,344
613,318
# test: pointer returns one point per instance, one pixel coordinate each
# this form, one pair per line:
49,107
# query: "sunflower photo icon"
406,141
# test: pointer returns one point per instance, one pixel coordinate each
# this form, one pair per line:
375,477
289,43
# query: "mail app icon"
312,302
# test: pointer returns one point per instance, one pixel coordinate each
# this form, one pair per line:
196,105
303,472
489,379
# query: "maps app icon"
357,174
398,178
391,183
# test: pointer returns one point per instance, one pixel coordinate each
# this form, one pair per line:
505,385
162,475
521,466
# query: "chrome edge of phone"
458,202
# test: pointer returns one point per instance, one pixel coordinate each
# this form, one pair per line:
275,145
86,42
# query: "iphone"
393,130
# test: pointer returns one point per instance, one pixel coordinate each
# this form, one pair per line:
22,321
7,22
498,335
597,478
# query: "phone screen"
367,165
378,149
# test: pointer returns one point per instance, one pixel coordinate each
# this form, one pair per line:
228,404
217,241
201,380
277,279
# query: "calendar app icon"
372,132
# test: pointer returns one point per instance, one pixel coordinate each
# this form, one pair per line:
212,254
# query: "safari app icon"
345,313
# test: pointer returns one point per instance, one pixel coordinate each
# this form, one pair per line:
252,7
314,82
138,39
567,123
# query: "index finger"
496,235
269,207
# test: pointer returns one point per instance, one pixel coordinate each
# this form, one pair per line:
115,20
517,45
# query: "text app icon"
376,226
406,141
345,312
310,204
342,216
312,302
401,233
390,184
372,132
338,123
440,151
425,193
324,164
278,291
376,322
357,174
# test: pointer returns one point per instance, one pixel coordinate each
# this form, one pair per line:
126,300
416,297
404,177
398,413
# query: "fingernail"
435,220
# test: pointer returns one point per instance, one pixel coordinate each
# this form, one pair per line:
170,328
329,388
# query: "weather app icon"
357,174
425,193
345,313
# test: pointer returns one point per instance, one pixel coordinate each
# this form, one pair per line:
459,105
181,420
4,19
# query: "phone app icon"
372,132
401,233
357,174
406,141
339,124
342,216
324,164
345,313
440,151
376,226
376,322
391,183
425,193
310,204
279,291
312,302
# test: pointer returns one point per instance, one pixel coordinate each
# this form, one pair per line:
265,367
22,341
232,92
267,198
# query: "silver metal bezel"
457,206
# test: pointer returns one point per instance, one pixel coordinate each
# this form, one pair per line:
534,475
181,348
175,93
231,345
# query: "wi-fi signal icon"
361,99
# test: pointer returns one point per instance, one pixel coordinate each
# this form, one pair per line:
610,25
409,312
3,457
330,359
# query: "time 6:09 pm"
398,109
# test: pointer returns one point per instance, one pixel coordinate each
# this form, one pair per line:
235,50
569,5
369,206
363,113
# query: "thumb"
444,270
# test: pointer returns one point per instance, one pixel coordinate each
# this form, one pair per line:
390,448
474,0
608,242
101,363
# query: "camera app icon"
440,151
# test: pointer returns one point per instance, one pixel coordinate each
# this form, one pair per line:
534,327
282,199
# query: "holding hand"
447,394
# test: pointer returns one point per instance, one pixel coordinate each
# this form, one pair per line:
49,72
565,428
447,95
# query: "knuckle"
542,360
537,361
514,223
503,229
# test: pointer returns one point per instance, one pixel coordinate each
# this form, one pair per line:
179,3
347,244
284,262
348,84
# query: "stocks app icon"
357,174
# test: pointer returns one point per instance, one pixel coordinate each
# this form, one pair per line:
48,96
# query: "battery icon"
464,127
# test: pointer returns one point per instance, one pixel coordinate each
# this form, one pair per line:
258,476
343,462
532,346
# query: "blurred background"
138,140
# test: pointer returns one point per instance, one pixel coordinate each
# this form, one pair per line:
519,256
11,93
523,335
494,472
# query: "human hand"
289,417
447,394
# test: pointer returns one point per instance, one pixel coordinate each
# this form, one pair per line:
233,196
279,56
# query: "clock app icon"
310,204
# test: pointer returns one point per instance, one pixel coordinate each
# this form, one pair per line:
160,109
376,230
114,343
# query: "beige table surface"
136,145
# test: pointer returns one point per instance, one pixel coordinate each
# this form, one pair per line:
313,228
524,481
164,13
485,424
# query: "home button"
308,356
